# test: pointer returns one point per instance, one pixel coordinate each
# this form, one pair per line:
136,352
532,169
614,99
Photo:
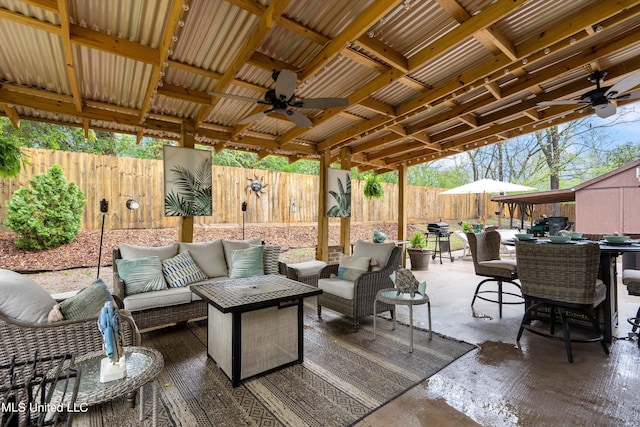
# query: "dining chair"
560,285
485,252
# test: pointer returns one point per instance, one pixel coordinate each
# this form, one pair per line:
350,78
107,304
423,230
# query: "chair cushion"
338,287
208,256
162,252
378,252
307,268
23,299
181,270
500,263
352,266
629,276
247,262
162,298
141,274
85,304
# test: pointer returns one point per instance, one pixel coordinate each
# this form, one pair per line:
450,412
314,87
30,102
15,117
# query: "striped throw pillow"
271,254
181,270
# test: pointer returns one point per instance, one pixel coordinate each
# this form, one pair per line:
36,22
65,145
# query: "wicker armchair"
366,286
561,281
22,340
485,251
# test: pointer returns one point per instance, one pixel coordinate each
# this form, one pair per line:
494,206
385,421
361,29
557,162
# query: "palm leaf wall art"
188,182
339,193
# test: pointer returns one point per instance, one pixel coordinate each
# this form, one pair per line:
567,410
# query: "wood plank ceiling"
425,78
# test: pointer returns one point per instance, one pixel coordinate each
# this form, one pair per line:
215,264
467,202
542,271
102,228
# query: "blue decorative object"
379,236
109,325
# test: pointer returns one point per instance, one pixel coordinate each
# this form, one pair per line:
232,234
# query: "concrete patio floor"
506,384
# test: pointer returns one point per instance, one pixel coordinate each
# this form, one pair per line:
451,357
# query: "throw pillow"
270,259
379,252
23,299
247,262
208,256
181,270
141,274
351,267
162,252
405,281
85,304
232,245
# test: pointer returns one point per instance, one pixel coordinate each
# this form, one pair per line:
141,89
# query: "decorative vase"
379,236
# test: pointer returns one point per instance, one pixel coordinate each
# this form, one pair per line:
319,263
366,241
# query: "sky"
627,127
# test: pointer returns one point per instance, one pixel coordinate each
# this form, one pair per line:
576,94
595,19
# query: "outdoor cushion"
231,245
271,254
23,299
378,252
247,262
165,297
162,252
338,287
141,274
181,270
85,304
497,263
630,276
352,266
208,256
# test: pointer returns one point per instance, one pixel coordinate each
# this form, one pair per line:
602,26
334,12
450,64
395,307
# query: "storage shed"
605,204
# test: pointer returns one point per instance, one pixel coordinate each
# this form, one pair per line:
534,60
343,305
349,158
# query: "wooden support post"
402,211
345,223
185,231
323,221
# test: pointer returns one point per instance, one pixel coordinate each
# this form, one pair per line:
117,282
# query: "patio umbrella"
484,186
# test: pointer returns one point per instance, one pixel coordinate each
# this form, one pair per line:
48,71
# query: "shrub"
48,214
417,240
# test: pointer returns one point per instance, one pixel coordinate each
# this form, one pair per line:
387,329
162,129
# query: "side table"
391,296
143,365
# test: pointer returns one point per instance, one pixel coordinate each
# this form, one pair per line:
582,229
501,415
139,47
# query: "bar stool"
398,296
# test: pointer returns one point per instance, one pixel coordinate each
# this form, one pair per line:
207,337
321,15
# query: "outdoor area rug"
345,376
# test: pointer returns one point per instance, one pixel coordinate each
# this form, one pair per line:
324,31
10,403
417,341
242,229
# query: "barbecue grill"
441,232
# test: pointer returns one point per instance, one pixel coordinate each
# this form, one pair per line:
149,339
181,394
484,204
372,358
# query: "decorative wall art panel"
338,193
187,182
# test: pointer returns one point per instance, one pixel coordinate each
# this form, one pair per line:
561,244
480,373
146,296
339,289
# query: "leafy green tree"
48,214
149,148
12,158
622,155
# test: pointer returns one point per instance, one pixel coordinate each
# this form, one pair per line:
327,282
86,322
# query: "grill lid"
435,227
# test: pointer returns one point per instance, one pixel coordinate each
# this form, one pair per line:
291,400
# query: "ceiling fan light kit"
600,98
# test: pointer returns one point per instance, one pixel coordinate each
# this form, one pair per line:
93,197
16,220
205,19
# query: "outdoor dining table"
608,273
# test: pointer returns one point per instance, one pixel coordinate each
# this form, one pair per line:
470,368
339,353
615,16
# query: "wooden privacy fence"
118,179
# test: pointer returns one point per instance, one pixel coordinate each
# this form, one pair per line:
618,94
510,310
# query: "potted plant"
418,253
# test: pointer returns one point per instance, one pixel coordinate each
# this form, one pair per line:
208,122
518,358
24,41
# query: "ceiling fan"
282,100
600,98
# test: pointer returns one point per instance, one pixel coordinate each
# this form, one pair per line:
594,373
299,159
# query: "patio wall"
120,178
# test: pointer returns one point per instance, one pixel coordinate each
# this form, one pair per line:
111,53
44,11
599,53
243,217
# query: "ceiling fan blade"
253,117
299,119
629,95
604,111
286,84
624,85
562,102
322,103
232,96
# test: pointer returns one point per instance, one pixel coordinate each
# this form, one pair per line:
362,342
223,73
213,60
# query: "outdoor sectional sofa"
153,282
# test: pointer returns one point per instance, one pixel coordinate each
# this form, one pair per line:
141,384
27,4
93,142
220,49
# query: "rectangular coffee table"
255,324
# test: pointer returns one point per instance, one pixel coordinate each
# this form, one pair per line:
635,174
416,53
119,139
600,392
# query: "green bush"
49,213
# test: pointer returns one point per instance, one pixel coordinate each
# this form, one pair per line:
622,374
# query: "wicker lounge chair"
365,287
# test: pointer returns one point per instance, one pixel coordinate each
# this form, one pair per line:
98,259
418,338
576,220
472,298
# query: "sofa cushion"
352,266
232,245
141,274
378,252
181,270
85,304
338,287
271,254
162,298
247,262
162,252
23,299
209,257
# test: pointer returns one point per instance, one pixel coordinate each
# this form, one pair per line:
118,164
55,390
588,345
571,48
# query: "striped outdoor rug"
345,376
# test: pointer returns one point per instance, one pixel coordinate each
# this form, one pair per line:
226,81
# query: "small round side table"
391,296
143,365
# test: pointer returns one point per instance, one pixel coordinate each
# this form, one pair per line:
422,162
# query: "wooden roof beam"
63,13
31,22
11,113
378,106
384,52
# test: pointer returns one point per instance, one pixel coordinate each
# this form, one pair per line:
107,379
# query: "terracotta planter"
419,258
